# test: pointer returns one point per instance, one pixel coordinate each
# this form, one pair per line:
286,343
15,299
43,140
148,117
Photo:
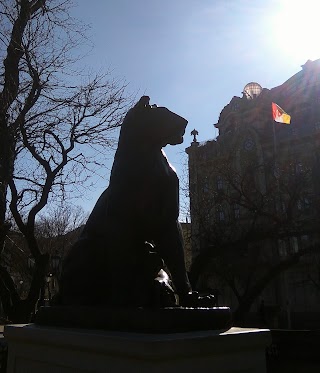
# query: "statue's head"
151,126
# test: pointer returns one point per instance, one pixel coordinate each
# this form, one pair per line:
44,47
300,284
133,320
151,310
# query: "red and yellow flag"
279,115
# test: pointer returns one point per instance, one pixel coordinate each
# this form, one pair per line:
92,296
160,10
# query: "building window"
294,244
205,185
298,168
220,183
299,204
282,247
303,203
235,106
220,214
248,144
306,203
293,131
236,211
305,240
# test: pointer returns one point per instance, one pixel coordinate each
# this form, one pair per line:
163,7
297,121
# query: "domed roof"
252,90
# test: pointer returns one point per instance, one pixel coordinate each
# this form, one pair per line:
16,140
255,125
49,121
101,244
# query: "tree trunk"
243,309
20,310
6,172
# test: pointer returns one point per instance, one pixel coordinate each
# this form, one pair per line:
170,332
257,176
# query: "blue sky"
193,56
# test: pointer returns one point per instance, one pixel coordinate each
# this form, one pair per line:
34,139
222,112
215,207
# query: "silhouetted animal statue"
133,229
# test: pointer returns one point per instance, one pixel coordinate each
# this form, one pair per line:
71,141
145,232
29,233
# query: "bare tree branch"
56,124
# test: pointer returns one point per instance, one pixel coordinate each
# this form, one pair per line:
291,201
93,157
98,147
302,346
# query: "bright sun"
296,29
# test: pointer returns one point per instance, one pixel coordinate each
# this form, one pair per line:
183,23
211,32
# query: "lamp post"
50,278
55,263
48,282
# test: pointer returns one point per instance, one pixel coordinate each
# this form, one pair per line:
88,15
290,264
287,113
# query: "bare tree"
60,220
249,223
55,231
53,123
58,228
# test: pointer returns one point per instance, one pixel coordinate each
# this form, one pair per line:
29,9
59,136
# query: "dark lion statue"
130,253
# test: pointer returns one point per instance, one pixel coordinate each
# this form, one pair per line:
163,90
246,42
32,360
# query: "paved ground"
293,367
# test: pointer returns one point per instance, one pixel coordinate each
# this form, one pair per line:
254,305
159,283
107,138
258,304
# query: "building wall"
186,234
262,172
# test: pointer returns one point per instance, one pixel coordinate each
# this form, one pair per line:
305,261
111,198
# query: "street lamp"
48,281
55,261
50,278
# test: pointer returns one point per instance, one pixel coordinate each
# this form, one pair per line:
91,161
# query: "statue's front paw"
193,299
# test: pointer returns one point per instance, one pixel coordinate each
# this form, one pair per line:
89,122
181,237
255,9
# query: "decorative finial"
194,133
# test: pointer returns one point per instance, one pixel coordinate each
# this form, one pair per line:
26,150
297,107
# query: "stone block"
34,348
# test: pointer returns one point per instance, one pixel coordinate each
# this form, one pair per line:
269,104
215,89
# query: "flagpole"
280,116
278,204
278,289
274,143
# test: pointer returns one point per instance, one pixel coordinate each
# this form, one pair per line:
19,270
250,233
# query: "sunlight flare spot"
296,29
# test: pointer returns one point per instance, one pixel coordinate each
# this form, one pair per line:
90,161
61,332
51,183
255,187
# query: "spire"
194,133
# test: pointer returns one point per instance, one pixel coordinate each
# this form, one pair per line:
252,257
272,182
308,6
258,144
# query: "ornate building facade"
255,201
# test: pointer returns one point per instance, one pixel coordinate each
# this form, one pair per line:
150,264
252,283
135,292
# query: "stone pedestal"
46,349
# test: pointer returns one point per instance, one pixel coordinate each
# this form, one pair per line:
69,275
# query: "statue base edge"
141,320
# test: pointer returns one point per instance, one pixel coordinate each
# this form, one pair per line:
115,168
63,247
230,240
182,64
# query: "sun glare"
296,29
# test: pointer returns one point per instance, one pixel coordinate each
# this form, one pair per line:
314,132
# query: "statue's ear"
143,102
